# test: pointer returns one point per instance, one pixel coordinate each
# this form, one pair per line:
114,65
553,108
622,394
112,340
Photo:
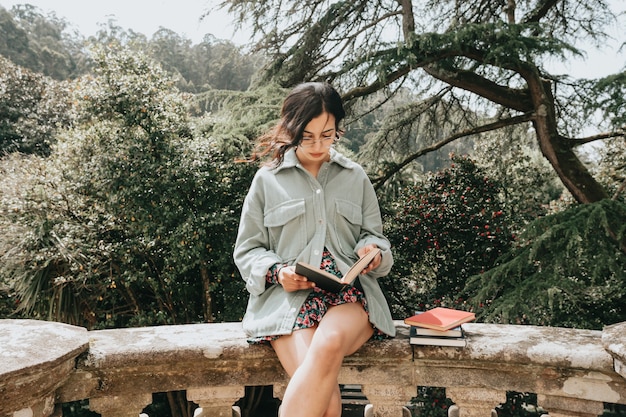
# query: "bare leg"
313,357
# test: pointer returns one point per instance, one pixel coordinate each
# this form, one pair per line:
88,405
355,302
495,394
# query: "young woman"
311,204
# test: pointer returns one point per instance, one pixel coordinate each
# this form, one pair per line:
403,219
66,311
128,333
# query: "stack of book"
439,327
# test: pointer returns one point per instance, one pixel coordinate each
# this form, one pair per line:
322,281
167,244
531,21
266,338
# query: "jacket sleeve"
251,254
372,230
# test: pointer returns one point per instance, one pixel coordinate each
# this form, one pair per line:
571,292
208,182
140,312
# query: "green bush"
443,231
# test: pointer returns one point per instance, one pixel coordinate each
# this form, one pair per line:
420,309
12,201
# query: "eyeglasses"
326,142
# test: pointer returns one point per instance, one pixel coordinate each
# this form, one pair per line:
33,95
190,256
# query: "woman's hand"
375,262
291,281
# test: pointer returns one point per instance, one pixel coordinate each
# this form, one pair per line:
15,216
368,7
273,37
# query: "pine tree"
568,270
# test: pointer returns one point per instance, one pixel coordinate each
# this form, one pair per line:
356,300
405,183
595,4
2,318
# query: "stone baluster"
473,401
388,400
120,406
279,390
570,407
216,401
43,408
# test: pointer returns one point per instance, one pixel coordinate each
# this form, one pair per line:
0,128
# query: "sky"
143,16
183,17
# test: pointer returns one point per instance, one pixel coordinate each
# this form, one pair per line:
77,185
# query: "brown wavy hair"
304,103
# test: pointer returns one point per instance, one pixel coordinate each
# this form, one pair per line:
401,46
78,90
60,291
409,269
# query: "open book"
330,282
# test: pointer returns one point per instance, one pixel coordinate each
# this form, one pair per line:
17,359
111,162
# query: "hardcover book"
453,332
440,318
416,339
330,282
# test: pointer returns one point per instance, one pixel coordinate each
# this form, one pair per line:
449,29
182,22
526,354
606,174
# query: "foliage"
520,404
611,169
388,138
49,45
528,184
430,402
608,96
43,259
243,116
132,219
32,108
212,64
484,65
572,263
41,43
443,231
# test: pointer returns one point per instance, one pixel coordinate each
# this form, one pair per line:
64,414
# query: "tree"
383,136
32,108
44,44
486,57
566,270
132,219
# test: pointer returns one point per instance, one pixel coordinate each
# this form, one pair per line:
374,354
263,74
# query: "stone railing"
44,364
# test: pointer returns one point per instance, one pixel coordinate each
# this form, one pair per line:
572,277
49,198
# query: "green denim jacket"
290,216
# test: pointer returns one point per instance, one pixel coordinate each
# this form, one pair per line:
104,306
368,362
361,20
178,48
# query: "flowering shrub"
451,226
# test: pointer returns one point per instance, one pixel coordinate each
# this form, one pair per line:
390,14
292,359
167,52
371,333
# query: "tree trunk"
207,300
572,172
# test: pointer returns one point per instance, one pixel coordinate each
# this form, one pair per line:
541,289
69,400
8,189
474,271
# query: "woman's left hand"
375,262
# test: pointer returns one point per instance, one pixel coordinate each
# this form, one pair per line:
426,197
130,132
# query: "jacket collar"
291,160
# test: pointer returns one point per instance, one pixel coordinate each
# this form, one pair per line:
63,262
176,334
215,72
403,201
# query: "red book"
440,318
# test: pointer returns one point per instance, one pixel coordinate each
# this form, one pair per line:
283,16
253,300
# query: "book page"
360,265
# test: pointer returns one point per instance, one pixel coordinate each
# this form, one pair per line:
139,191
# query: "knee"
330,344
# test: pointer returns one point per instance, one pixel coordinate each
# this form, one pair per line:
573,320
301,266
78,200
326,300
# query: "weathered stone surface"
614,341
36,357
525,359
166,344
181,357
539,345
213,362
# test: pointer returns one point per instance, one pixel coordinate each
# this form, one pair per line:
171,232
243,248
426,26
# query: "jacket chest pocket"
286,225
348,224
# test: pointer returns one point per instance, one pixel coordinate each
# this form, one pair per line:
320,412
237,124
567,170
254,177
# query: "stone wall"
44,364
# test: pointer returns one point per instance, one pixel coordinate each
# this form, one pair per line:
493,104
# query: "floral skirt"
318,302
316,305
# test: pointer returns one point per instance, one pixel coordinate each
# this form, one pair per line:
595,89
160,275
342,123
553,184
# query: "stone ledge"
614,341
47,363
36,358
562,347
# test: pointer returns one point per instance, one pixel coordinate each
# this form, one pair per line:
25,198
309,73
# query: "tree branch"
378,182
375,86
515,99
600,136
540,11
408,19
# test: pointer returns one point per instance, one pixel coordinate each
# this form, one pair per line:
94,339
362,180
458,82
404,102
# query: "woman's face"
317,138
